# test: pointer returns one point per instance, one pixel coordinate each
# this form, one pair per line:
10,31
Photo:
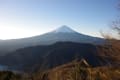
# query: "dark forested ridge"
50,56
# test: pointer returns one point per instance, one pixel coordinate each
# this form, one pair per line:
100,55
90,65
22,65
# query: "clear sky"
25,18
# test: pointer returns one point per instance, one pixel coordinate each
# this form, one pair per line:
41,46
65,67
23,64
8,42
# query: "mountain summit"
64,29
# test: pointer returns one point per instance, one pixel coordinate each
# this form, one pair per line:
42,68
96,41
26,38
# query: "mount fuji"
64,29
62,34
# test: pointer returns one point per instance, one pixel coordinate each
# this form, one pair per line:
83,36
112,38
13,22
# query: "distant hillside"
46,57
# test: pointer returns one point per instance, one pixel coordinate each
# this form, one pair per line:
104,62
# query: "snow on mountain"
64,29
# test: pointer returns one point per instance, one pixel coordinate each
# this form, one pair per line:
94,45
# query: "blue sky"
25,18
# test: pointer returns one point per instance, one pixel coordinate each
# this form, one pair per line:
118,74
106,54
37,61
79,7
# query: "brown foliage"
75,71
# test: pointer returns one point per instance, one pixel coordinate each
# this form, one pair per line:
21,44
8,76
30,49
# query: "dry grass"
73,71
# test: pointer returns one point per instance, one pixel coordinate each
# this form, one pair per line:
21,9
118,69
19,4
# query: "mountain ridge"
51,55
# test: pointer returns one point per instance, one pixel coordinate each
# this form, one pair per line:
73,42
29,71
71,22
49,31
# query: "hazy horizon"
26,18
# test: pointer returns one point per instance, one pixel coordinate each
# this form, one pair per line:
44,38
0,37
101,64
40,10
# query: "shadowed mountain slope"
49,56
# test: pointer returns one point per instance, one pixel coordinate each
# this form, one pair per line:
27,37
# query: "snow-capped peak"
64,29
